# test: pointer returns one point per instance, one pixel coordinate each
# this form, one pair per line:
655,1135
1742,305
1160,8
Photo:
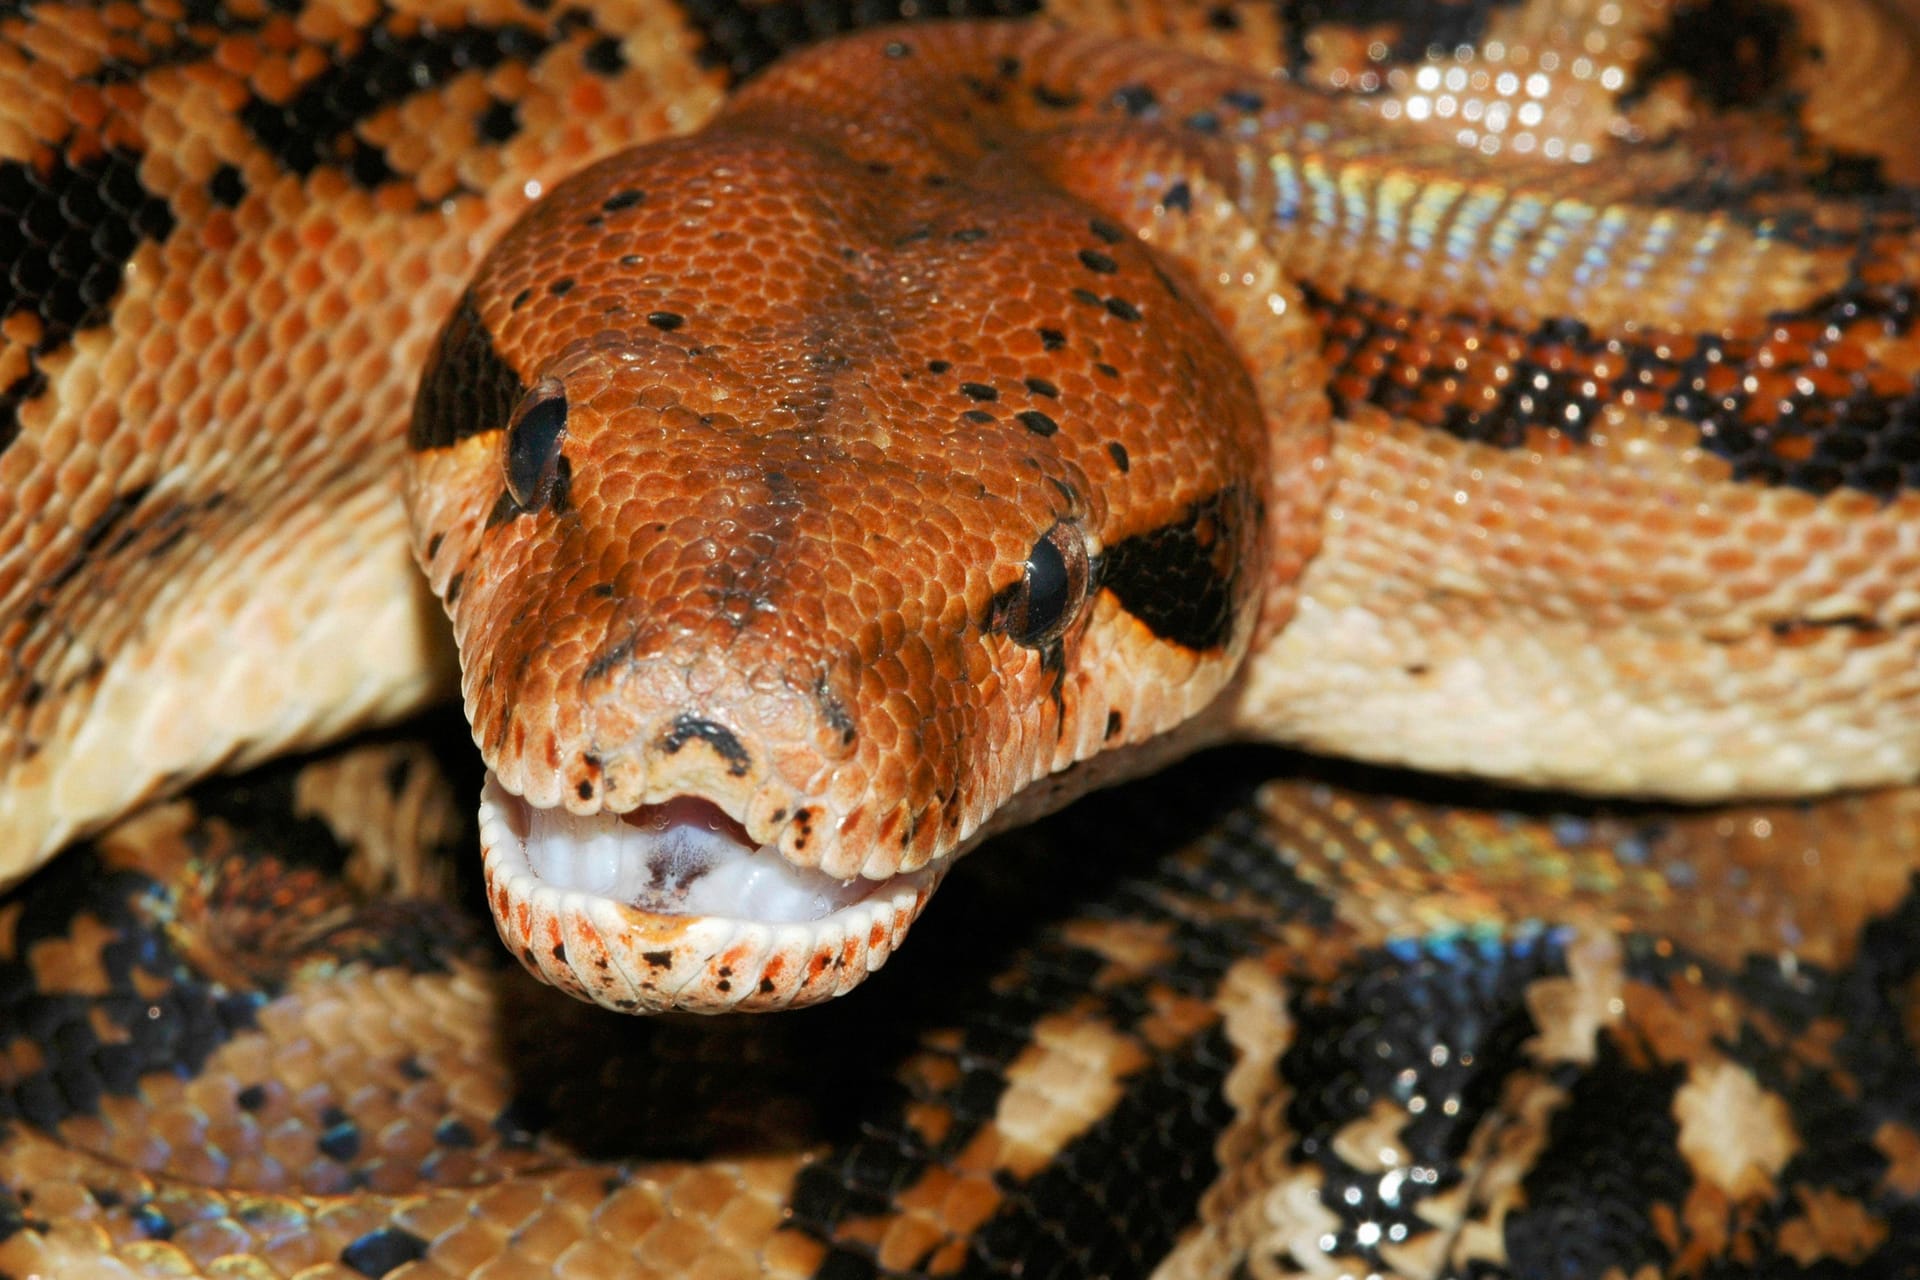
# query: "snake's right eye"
533,461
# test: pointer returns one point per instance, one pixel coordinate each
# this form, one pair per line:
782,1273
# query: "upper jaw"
679,909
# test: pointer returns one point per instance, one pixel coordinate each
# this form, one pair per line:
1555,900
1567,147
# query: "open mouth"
684,857
674,906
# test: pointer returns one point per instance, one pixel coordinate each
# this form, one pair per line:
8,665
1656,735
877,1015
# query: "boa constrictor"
966,417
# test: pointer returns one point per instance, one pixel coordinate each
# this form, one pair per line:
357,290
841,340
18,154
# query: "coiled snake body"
966,417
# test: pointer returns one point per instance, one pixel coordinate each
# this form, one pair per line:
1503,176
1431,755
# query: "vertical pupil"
1046,586
533,444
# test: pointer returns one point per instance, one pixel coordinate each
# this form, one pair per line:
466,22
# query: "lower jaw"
629,954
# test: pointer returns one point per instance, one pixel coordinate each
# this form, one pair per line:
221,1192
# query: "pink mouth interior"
658,819
681,857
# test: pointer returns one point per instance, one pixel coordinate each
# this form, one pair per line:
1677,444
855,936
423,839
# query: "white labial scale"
680,859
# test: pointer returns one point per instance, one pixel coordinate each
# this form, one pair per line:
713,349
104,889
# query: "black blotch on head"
719,737
1179,579
1052,339
625,199
938,366
1037,422
978,415
467,388
1120,458
1107,231
562,287
1041,387
1122,309
665,321
1179,198
1113,725
1094,260
378,1252
978,391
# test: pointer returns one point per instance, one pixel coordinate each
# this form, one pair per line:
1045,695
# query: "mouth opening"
675,907
684,857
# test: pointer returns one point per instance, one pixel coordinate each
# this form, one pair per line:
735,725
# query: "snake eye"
1037,610
534,436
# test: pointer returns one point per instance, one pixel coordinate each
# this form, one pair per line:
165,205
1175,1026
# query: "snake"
961,419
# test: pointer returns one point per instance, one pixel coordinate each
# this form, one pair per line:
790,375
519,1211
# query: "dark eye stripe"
1179,579
467,388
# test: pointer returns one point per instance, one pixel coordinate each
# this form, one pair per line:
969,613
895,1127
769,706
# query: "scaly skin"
1315,1026
809,387
1335,1031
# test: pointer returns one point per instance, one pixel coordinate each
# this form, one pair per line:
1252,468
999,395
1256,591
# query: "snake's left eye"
539,427
1039,608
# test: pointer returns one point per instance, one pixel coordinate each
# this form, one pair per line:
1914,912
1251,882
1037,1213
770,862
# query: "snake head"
792,545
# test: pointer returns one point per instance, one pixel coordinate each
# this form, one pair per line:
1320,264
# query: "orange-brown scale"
1820,402
679,1219
899,353
726,323
199,513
